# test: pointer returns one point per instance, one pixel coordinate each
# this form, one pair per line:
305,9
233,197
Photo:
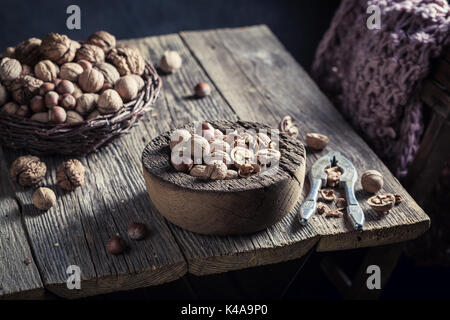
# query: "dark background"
298,24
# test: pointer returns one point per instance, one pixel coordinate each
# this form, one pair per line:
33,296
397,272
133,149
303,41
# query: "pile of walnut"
58,80
29,170
211,154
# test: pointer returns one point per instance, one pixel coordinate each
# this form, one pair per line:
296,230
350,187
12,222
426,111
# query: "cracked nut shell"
70,174
24,88
126,60
27,170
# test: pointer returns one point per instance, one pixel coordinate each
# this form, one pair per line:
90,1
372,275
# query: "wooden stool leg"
385,257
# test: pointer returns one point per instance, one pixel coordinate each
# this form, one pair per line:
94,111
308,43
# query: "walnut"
86,103
27,170
24,88
170,62
109,102
58,48
9,52
46,70
316,141
372,181
73,117
70,174
91,53
102,39
3,95
71,71
44,198
10,69
140,82
126,60
217,170
109,72
28,52
127,88
91,80
10,108
42,117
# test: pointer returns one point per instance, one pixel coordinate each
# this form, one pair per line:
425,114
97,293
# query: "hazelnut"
115,245
86,103
109,102
70,174
46,87
327,194
71,71
10,108
27,170
24,88
382,202
3,95
58,48
46,70
10,69
73,117
231,174
42,117
90,53
84,64
28,51
51,99
23,111
202,89
372,181
68,101
170,62
9,52
316,141
91,80
180,163
57,115
137,231
65,86
178,136
44,198
57,81
102,39
37,104
109,72
127,88
126,60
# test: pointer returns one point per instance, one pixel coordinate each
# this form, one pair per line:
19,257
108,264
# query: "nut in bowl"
68,102
216,197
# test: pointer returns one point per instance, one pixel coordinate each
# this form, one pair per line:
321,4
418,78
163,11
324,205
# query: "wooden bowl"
224,207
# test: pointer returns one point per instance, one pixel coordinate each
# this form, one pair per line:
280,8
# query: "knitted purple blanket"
374,76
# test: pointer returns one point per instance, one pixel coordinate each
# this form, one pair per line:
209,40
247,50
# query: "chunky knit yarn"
374,76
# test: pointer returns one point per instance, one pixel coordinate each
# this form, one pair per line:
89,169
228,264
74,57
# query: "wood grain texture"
264,83
215,254
18,279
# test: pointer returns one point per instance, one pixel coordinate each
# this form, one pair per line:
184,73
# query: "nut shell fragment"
382,202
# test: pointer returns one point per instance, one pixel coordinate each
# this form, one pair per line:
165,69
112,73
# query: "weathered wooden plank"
213,254
19,276
263,82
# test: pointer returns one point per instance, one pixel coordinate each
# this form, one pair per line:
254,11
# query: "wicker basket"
83,137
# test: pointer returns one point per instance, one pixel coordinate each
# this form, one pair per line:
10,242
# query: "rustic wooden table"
253,78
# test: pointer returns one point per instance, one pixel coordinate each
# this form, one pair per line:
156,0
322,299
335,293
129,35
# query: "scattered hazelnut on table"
10,108
71,71
91,80
127,88
137,231
372,181
51,99
10,69
316,141
57,115
170,62
27,170
109,102
37,104
70,174
115,245
202,89
44,198
68,101
46,70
